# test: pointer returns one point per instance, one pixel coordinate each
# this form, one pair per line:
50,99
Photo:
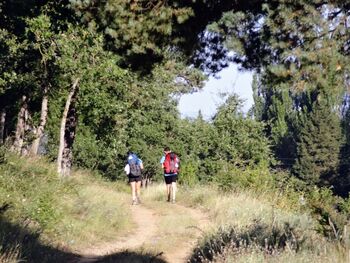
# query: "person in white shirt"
133,170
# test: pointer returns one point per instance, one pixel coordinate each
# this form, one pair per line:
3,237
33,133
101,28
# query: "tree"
147,29
239,139
294,59
43,43
82,60
67,132
318,144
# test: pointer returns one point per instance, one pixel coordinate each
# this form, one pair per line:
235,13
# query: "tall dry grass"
48,218
256,227
175,225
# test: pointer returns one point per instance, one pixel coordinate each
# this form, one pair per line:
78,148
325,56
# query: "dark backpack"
134,163
171,163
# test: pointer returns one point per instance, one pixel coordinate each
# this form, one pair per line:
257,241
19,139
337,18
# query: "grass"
10,255
45,219
254,227
176,225
56,218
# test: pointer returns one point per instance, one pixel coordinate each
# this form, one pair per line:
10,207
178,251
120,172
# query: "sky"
208,99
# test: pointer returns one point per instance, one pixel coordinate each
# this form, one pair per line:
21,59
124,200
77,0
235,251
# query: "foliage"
250,177
140,27
134,59
318,146
239,138
188,175
299,86
331,212
142,31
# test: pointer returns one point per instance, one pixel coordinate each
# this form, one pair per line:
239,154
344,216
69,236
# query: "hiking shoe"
134,202
138,200
173,201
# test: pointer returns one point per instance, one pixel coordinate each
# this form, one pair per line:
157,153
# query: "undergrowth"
45,218
265,225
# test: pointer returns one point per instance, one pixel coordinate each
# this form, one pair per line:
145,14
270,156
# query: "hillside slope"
87,219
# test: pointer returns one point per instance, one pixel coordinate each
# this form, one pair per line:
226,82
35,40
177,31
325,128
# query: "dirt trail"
180,254
146,220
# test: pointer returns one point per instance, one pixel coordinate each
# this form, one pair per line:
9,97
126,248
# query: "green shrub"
188,174
256,177
330,211
267,238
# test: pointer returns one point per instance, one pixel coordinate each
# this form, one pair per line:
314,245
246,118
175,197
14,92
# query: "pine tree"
318,144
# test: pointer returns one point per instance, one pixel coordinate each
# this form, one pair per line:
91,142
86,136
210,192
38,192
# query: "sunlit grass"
238,210
85,210
10,256
176,226
257,256
96,214
74,213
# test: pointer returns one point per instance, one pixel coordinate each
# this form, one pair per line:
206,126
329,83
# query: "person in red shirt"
170,164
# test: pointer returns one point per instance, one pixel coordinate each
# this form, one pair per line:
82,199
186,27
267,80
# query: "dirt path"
146,222
181,253
146,232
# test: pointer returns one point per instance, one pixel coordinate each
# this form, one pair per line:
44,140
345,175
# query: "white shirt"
127,169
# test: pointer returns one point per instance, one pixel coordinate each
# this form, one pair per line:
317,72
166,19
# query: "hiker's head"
166,150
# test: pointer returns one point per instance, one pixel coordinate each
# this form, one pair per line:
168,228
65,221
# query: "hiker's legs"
173,191
168,191
133,190
167,179
138,190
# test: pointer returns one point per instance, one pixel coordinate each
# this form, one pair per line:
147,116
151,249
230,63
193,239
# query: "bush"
331,212
266,238
188,174
256,177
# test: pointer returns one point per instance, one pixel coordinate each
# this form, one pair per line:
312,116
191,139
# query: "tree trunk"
67,132
2,125
19,135
27,120
43,120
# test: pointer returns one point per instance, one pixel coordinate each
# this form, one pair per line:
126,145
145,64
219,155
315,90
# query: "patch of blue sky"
229,81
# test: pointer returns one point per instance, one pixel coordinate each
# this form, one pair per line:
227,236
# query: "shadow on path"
17,239
125,257
27,245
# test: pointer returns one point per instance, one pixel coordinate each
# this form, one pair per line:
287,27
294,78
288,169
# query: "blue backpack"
134,163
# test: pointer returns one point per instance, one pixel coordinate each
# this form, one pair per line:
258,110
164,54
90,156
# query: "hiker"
133,169
170,164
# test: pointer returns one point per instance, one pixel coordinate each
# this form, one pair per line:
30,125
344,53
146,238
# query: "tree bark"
19,135
43,120
2,125
27,120
67,132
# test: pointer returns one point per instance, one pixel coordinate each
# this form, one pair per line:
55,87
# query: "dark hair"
166,149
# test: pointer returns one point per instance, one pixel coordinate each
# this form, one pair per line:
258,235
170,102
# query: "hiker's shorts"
170,178
134,178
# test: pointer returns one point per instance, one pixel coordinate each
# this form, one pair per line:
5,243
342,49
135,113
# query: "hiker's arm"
127,169
162,161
